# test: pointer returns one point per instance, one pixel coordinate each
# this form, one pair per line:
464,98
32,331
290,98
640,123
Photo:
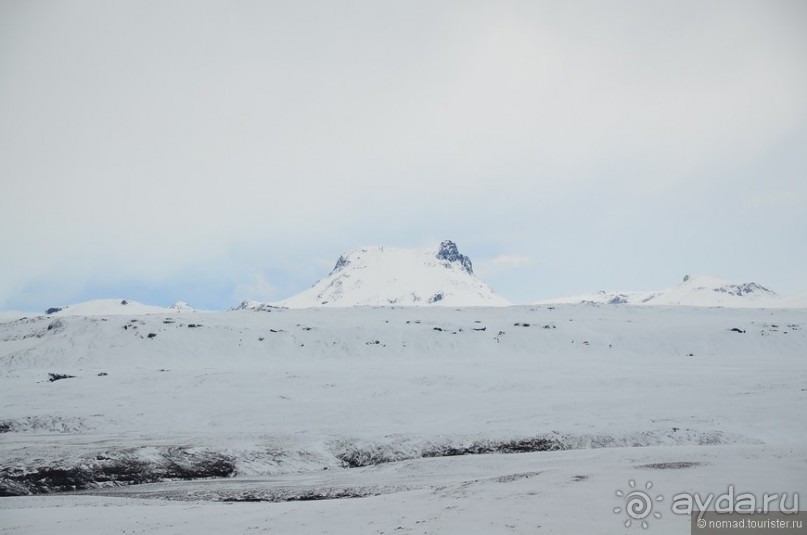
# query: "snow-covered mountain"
113,307
697,290
251,304
383,276
180,307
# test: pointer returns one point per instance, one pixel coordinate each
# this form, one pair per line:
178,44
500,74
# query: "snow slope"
700,290
117,307
411,406
383,276
563,493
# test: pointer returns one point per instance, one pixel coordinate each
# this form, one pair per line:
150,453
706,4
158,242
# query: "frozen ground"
476,420
555,492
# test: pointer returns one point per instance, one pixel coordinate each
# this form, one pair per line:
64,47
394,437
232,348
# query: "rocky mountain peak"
449,253
341,263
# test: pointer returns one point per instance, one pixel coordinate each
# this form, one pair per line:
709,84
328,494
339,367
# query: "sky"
217,151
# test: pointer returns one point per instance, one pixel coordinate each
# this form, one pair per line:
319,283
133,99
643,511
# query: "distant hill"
111,307
698,290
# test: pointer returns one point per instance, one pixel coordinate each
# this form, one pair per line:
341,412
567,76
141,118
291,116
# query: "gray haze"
213,151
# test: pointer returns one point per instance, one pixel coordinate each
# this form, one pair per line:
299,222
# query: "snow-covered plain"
423,420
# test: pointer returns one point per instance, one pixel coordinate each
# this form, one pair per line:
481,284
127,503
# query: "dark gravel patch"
126,469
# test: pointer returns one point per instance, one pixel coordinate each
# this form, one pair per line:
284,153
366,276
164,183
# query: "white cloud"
258,289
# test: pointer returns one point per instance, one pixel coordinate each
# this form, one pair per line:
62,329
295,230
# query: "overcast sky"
216,151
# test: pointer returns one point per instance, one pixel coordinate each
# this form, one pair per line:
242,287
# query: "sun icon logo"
638,504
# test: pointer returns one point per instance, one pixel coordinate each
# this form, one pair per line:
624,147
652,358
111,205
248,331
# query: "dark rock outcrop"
341,263
449,253
742,289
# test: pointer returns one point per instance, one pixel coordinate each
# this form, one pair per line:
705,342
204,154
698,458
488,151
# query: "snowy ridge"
383,276
116,307
180,307
251,304
700,290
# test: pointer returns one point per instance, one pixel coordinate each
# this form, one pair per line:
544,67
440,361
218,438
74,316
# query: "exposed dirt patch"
669,466
48,424
516,477
119,469
299,495
355,455
52,377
